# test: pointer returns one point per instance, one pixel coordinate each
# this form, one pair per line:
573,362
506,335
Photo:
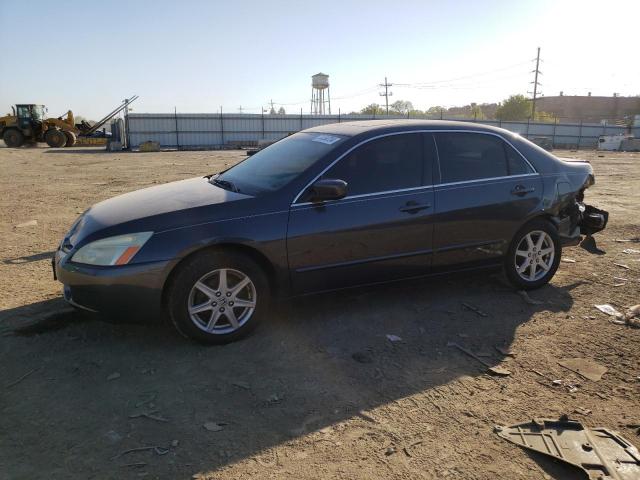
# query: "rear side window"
470,156
515,163
388,163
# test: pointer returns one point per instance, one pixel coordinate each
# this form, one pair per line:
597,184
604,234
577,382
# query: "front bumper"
123,291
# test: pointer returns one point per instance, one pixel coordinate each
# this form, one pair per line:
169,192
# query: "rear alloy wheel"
71,139
218,297
55,138
534,255
13,138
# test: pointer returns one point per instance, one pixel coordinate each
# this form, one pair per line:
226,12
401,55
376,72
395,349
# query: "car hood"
176,202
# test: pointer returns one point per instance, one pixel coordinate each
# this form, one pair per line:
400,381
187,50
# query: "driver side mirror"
328,189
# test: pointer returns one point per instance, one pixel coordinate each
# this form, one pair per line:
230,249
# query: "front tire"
55,138
71,139
217,297
534,255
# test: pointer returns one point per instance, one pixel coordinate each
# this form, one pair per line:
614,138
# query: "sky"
199,56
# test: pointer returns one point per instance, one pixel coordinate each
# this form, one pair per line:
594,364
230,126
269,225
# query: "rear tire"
533,256
13,138
203,307
71,139
55,138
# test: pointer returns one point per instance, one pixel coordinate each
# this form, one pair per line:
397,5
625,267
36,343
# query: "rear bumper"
587,220
592,220
123,291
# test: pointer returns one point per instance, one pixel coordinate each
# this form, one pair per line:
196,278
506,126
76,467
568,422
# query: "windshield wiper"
226,184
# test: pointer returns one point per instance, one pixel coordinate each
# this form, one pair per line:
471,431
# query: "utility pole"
240,109
386,93
535,86
272,109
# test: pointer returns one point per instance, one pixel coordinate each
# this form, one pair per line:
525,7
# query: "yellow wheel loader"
27,124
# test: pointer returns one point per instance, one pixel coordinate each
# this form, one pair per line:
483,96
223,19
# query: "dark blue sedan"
327,208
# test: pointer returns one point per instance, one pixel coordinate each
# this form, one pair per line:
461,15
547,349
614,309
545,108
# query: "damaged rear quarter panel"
564,183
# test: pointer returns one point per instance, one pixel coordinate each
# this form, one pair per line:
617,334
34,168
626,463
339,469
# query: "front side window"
470,156
389,163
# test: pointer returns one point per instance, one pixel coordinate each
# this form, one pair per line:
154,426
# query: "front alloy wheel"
222,301
217,296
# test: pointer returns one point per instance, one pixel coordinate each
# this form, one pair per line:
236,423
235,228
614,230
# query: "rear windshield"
275,166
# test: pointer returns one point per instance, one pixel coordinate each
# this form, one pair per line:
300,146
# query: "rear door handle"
522,190
414,207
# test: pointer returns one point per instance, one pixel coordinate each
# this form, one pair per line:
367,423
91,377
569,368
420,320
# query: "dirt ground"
319,391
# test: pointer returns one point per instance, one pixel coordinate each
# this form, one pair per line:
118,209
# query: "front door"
486,191
382,230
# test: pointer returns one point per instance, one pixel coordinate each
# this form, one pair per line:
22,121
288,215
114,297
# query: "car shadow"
318,361
36,257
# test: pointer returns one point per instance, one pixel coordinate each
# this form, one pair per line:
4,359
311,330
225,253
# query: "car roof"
377,127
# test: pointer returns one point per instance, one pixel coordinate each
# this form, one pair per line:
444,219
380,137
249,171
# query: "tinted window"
388,163
470,156
278,164
516,164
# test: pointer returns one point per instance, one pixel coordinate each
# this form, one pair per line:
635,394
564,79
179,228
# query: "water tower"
320,104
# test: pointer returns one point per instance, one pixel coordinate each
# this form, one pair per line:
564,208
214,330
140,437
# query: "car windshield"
275,166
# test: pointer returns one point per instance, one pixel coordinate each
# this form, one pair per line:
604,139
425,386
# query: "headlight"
112,250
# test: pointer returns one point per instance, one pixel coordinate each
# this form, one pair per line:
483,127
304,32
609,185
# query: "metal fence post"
262,119
126,125
526,135
221,128
300,118
339,115
553,135
579,136
175,116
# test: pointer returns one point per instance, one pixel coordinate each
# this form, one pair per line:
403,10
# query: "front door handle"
521,190
414,207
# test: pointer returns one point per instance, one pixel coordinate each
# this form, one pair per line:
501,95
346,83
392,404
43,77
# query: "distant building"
590,109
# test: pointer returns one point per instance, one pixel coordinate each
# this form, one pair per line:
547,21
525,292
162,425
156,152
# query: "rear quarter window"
515,163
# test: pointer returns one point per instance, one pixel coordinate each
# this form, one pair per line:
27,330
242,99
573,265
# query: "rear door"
382,229
485,192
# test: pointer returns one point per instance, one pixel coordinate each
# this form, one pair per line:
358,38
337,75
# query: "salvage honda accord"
326,208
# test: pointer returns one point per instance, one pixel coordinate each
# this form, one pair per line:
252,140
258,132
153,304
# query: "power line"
471,75
386,93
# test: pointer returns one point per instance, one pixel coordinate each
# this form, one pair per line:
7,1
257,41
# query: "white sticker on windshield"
328,139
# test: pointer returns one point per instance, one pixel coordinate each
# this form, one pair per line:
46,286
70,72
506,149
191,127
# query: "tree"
545,117
281,111
476,112
516,107
373,109
401,107
437,110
